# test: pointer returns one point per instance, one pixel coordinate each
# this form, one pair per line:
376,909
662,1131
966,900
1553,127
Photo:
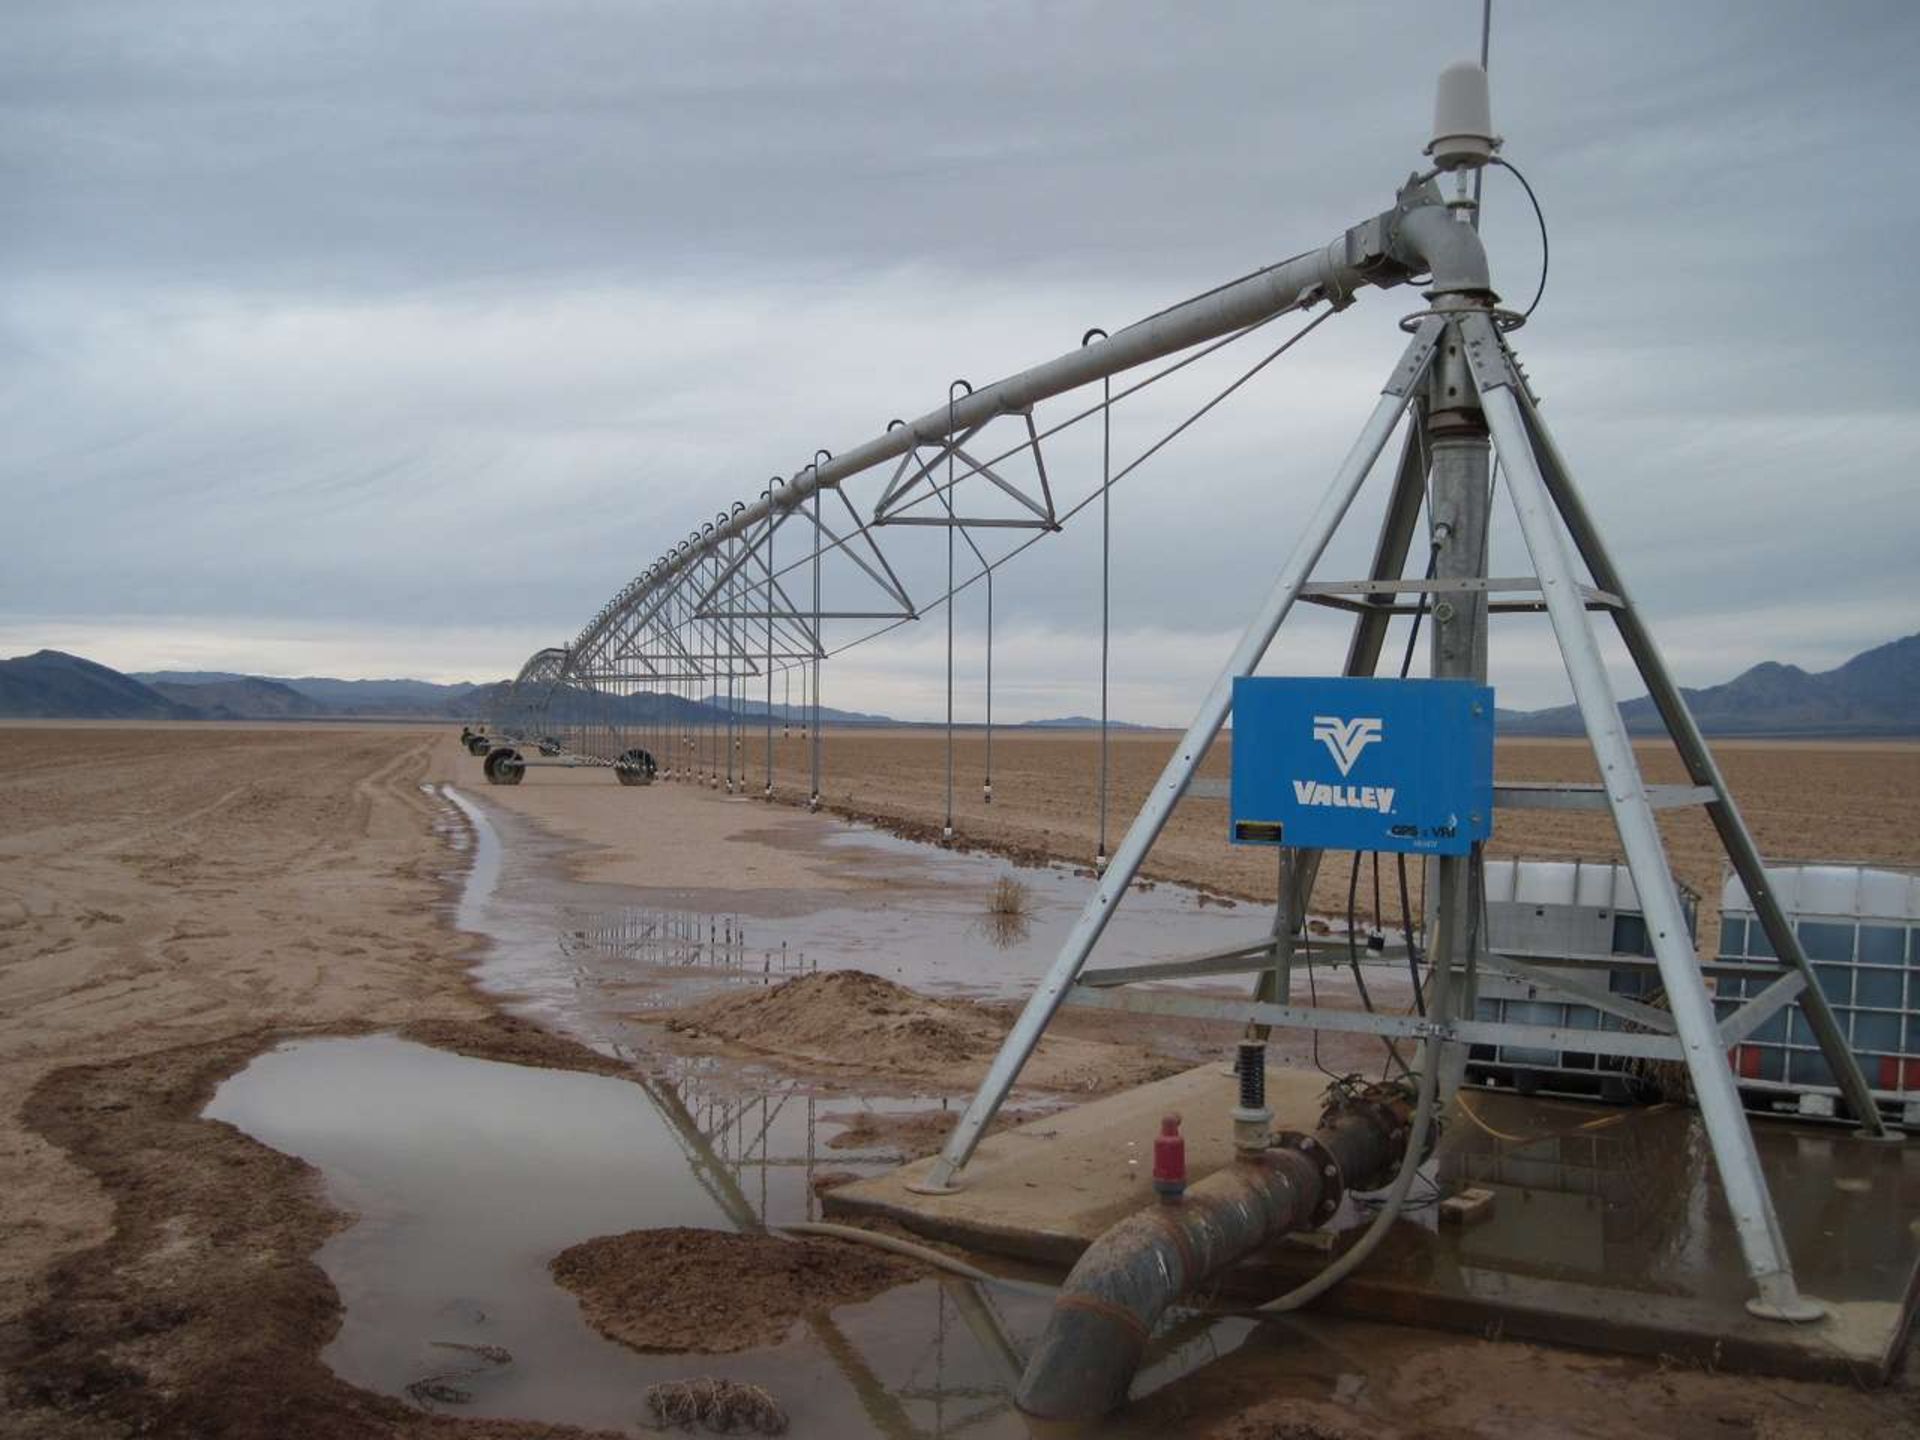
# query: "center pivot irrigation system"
748,599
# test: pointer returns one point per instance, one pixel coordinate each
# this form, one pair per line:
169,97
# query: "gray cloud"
364,321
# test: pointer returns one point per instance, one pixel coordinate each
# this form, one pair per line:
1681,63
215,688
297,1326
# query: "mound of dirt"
845,1016
850,1019
712,1292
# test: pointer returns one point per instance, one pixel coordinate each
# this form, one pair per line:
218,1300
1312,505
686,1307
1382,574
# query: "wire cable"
1353,960
1085,501
845,542
1396,1197
1313,999
1546,252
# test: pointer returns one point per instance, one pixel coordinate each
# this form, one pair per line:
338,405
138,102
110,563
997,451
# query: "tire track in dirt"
243,870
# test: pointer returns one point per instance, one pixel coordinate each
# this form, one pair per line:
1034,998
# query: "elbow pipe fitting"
1126,1279
1429,238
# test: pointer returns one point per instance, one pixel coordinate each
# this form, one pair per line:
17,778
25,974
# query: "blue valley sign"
1362,764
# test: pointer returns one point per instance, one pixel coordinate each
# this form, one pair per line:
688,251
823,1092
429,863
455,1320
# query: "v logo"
1345,739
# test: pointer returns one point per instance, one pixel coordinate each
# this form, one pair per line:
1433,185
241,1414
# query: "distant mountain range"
271,697
52,685
1083,722
793,714
1875,693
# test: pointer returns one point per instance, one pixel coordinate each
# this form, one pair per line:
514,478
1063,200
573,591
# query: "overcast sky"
379,339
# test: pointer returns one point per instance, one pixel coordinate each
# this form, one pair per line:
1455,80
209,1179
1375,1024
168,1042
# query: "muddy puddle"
466,1177
593,960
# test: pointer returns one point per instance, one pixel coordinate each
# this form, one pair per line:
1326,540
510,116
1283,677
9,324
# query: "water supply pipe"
1126,1280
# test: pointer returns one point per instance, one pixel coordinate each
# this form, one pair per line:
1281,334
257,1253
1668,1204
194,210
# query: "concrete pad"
1045,1190
1606,1229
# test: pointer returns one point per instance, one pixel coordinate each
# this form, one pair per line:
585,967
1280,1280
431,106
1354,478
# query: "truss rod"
1385,250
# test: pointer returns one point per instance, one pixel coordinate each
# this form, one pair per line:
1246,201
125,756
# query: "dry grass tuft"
1012,898
724,1407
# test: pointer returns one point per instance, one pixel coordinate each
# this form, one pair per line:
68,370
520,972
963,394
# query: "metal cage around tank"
1580,922
1860,926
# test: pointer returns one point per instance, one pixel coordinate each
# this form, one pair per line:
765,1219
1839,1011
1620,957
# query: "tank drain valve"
1252,1120
1170,1159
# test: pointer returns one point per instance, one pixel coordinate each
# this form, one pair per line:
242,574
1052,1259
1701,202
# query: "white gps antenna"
1463,135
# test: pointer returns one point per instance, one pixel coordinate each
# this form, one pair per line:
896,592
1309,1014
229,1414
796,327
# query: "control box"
1362,764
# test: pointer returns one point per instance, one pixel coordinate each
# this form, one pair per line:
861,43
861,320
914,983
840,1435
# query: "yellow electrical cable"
1599,1123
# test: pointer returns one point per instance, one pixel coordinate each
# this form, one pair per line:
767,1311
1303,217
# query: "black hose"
1406,926
1540,218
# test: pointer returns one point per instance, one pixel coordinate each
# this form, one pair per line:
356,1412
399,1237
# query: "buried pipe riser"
1126,1280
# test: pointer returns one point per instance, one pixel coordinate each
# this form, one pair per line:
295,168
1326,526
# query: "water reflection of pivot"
684,939
1579,1188
723,1135
1004,929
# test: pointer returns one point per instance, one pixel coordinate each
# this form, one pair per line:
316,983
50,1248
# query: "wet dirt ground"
182,1295
468,1177
1804,799
449,1161
450,1164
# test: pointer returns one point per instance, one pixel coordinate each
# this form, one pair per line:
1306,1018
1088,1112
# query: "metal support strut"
1718,1097
1473,392
1166,793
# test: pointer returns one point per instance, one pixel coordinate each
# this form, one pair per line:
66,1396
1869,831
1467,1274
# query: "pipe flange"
1332,1185
1388,1105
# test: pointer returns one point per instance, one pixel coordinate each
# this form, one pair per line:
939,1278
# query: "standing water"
466,1177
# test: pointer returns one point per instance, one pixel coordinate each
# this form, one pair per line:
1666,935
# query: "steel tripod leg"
1703,769
1166,793
1726,1123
